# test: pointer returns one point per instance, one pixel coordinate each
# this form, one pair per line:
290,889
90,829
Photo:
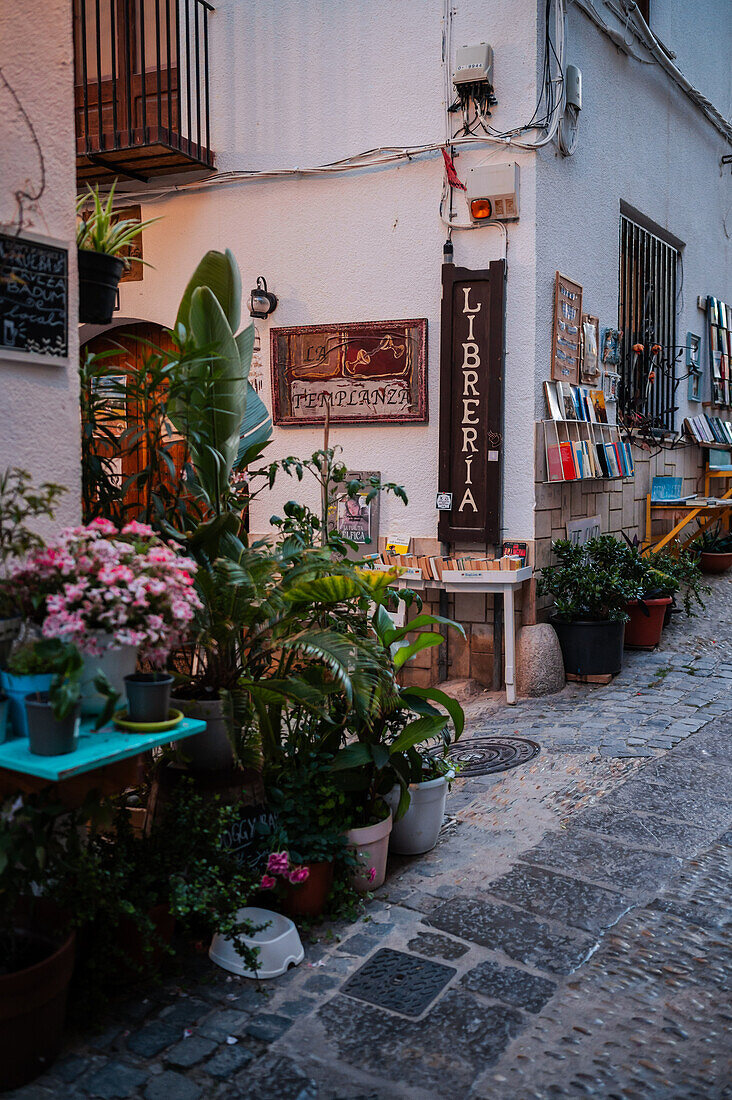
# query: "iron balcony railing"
142,93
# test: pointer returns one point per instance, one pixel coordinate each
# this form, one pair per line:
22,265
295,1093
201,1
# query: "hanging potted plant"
714,548
101,241
592,586
115,594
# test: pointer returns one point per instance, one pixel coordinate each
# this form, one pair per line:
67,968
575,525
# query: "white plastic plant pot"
279,946
417,831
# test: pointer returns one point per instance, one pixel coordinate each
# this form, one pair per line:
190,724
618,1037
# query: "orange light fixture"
481,208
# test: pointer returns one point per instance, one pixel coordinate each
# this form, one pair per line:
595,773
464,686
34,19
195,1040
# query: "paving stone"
115,1080
151,1039
509,984
221,1024
685,805
444,1049
277,1078
703,778
268,1026
297,1008
360,944
437,947
229,1060
520,935
570,901
647,832
189,1052
604,861
172,1086
186,1012
70,1068
701,893
253,999
321,983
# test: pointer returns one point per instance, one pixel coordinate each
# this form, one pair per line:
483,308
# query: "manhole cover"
397,981
483,755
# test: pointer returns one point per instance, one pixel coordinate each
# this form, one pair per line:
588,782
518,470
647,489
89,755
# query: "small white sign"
444,502
493,456
580,531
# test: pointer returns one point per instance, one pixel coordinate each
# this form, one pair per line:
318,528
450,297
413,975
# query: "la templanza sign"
471,402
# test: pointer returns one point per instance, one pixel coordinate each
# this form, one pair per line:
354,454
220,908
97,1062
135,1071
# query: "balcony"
141,97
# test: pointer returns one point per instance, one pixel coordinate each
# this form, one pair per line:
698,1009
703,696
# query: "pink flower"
300,874
103,526
135,528
267,882
371,874
277,863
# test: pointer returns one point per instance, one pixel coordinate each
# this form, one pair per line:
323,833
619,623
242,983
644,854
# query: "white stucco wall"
296,84
641,141
39,407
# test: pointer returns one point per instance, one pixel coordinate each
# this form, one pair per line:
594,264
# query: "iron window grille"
647,317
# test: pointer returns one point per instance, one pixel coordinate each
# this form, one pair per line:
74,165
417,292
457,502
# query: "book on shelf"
602,460
629,454
565,389
553,401
598,400
568,467
554,462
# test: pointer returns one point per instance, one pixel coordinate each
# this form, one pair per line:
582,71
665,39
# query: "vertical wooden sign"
471,402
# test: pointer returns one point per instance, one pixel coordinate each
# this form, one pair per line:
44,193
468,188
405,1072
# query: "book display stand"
578,442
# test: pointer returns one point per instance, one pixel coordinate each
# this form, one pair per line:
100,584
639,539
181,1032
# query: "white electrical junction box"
473,64
499,184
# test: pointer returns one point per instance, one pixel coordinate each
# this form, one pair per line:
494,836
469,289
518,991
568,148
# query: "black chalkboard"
34,285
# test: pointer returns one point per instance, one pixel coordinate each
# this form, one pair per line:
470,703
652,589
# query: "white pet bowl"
279,946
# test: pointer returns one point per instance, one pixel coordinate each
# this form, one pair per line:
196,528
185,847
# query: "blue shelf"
95,750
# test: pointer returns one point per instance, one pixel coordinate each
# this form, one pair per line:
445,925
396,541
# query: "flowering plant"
97,580
280,870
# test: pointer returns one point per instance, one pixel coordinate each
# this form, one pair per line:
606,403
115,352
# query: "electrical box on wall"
473,64
493,192
573,87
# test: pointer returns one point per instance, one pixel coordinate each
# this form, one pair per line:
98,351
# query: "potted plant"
714,547
416,832
148,696
115,594
101,240
26,674
592,586
20,503
683,565
646,613
310,815
36,941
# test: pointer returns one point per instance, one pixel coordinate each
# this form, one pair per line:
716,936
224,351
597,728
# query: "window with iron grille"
647,320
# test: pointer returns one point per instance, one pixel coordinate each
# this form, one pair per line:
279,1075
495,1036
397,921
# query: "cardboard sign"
471,401
580,531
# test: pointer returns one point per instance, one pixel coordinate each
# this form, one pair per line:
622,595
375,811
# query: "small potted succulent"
714,547
592,586
101,240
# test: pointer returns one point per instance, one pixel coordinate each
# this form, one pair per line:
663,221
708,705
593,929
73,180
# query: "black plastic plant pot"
47,734
591,648
99,276
148,696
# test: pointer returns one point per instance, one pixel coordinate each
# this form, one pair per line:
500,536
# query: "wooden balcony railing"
141,88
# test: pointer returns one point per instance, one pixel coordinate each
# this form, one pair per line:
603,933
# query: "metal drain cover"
398,981
483,755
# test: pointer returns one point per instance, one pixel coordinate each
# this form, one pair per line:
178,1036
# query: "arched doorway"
132,457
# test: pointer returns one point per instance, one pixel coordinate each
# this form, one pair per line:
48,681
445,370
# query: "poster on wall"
567,330
356,518
34,287
471,401
373,372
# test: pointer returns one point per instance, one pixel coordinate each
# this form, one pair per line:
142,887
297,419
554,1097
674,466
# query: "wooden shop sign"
471,402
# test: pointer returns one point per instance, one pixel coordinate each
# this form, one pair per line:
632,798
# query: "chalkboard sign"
34,285
244,840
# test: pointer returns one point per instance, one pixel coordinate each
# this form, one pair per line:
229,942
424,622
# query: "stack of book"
435,568
720,350
710,430
567,402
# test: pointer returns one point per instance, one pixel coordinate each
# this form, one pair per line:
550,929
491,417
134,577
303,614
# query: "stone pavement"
569,936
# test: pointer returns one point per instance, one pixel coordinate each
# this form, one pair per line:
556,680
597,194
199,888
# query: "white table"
493,581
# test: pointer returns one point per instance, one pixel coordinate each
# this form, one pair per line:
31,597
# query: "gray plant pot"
148,696
47,735
211,750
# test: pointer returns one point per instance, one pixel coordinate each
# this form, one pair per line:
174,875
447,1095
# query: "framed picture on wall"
567,330
372,372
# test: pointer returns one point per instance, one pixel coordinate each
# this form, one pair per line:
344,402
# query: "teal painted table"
95,750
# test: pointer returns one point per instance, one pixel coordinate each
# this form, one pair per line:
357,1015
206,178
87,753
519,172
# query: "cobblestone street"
568,936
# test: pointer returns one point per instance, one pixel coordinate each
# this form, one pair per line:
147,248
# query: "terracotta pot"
644,631
308,898
32,1012
714,563
371,845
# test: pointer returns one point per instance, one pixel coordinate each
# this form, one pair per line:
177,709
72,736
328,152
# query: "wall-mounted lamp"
261,302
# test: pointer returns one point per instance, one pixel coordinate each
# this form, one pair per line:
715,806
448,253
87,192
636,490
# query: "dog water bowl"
279,946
